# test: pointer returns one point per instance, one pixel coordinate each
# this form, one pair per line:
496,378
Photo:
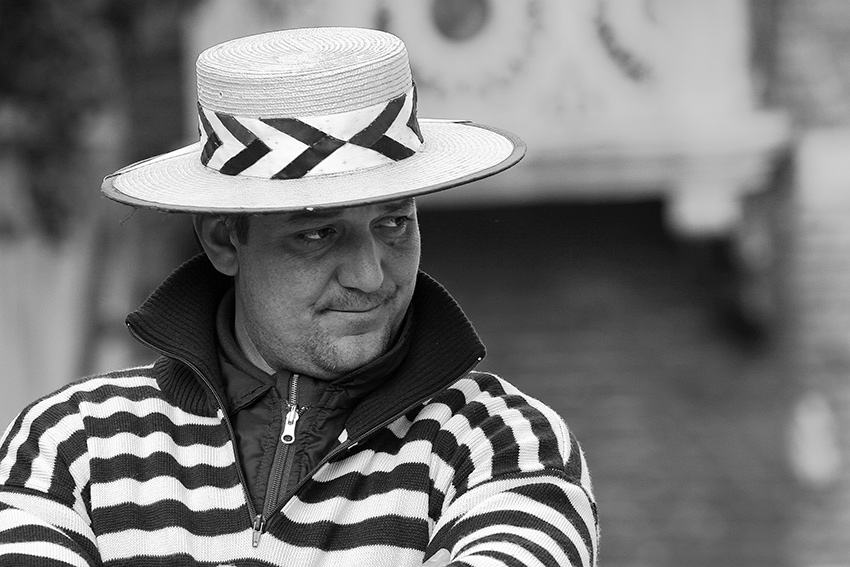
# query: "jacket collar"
179,321
244,382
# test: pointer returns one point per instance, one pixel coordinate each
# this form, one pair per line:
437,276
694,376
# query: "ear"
218,242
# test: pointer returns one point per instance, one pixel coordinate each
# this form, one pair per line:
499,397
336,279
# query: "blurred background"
669,267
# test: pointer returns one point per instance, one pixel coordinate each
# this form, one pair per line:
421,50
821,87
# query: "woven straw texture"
303,72
453,153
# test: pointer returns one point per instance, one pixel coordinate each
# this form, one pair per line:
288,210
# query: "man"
315,401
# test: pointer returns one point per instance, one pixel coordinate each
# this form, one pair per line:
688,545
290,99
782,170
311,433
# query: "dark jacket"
138,467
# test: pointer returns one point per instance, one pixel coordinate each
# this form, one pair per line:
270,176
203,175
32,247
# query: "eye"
315,235
394,225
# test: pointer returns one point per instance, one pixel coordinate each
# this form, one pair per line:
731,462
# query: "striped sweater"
138,467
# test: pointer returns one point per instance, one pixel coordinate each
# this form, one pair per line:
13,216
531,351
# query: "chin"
350,353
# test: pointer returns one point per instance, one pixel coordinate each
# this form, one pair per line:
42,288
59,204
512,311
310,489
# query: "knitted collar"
179,321
245,382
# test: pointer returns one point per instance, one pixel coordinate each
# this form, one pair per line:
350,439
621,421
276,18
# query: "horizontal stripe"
146,468
43,414
44,540
327,535
368,461
161,483
235,550
175,541
143,426
44,551
467,501
35,533
390,443
142,408
166,514
357,486
60,516
397,502
367,555
199,499
185,455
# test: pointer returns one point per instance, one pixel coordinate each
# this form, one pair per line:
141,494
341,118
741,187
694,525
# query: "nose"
361,264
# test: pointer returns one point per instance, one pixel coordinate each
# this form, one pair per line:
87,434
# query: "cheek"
270,292
403,260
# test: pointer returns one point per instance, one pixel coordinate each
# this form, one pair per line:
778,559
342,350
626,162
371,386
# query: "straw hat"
311,118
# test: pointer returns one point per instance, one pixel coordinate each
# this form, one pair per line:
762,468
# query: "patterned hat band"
291,148
311,118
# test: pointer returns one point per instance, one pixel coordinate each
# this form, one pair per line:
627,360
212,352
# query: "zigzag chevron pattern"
291,148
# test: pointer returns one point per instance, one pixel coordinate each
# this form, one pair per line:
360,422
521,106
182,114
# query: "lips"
366,310
358,310
359,304
356,320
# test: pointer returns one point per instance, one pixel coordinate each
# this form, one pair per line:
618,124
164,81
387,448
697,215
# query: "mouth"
355,320
367,309
359,305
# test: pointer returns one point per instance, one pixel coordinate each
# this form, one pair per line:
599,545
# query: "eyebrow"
321,214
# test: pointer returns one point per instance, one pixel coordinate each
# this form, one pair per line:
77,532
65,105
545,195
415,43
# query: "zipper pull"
259,524
288,434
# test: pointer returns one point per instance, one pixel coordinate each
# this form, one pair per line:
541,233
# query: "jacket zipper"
350,443
280,466
257,521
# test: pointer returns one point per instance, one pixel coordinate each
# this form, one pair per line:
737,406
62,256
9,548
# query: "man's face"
323,293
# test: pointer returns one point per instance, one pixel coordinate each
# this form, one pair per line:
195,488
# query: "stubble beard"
323,356
320,353
336,356
339,355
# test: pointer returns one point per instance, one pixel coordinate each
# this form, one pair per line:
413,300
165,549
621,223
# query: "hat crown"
303,72
307,119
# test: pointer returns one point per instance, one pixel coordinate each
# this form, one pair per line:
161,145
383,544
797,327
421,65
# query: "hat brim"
454,153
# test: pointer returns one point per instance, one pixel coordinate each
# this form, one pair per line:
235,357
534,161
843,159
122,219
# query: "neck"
247,345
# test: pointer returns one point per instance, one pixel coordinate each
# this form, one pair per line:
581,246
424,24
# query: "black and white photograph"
608,319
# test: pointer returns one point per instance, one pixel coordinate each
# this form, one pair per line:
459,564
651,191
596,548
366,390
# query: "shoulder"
485,406
52,430
66,407
489,429
131,383
484,391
